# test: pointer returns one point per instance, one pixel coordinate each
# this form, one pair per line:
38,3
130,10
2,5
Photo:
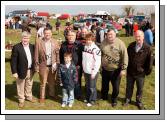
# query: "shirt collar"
25,45
139,45
90,45
47,40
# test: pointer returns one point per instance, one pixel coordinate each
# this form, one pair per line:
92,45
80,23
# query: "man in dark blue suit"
22,66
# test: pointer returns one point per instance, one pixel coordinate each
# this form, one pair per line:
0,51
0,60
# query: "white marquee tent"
101,13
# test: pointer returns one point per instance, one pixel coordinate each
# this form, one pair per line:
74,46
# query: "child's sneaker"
89,104
85,101
63,105
70,105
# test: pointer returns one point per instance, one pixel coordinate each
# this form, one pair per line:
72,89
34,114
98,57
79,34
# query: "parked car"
78,24
36,19
110,26
64,16
91,20
117,26
46,14
81,22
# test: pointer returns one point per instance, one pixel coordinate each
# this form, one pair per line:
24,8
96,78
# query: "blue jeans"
68,96
91,92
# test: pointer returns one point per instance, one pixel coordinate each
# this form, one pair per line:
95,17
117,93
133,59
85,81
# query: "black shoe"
104,98
140,106
79,98
53,97
113,104
127,101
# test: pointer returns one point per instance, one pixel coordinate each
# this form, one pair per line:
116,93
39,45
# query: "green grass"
11,102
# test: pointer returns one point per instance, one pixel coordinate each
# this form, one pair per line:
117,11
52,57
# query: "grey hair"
25,33
85,29
140,31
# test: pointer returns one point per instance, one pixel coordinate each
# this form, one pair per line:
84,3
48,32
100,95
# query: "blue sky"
75,9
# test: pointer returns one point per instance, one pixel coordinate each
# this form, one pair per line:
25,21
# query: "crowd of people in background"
82,53
97,28
145,26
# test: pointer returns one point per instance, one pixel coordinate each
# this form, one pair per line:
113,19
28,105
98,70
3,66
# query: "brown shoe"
32,100
42,100
53,97
21,104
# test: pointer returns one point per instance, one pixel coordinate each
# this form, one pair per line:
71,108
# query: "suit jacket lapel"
22,50
43,45
31,50
52,46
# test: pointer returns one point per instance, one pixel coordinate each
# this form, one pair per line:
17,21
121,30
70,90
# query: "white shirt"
138,47
68,65
40,32
91,59
48,52
20,22
28,54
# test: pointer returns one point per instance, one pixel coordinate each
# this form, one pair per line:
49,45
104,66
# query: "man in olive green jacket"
114,65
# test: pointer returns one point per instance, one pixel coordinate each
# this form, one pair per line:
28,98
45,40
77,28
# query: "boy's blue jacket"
67,76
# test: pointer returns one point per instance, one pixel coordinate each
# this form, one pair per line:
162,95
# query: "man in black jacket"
75,47
22,66
140,64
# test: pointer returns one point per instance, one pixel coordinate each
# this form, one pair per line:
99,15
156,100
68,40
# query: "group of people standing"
64,65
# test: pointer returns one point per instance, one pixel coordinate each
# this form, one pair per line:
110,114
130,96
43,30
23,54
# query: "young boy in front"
91,62
67,75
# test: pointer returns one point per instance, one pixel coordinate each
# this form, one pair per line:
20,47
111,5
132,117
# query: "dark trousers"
130,86
127,32
77,89
114,77
91,92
